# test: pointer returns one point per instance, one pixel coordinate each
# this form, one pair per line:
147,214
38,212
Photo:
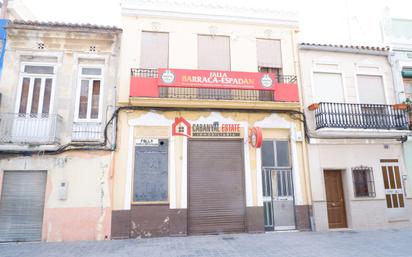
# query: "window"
407,83
328,87
269,56
213,52
154,50
363,182
88,107
275,154
35,89
151,173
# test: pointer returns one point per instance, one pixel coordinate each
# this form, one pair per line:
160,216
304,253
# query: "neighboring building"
3,38
398,34
58,91
194,80
357,166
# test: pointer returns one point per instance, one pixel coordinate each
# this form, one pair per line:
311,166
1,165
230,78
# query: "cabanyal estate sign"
181,127
216,79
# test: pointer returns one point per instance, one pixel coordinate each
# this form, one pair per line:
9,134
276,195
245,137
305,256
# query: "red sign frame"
216,79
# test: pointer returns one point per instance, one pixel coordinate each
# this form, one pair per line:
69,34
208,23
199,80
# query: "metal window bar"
216,94
366,116
144,73
363,182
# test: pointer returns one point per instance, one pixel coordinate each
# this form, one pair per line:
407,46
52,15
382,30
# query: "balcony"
32,129
213,85
87,132
359,116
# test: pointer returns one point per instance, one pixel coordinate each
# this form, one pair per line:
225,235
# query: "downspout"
308,189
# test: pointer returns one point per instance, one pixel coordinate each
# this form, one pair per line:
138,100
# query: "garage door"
21,205
216,195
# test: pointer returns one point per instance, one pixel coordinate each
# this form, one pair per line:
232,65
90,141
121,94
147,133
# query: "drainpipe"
3,14
399,92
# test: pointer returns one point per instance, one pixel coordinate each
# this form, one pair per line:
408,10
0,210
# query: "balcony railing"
33,129
360,116
87,131
146,83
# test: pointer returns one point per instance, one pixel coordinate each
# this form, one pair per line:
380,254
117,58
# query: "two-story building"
357,166
210,132
58,91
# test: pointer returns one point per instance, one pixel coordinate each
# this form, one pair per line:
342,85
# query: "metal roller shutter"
216,194
21,205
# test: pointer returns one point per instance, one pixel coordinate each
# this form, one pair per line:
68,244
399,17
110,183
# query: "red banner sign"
216,79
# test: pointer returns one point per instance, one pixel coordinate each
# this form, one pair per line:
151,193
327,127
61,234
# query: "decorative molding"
208,10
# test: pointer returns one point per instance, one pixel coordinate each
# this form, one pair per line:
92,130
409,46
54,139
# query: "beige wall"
183,44
362,213
86,213
158,125
65,50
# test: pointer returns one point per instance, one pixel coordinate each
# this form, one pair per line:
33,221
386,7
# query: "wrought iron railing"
216,94
87,131
152,73
366,116
17,128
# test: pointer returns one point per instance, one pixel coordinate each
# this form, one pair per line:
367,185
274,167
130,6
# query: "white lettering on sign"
147,142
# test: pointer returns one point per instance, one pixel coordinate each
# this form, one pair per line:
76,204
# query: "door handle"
333,204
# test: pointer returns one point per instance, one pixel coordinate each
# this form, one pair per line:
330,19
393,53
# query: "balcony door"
34,102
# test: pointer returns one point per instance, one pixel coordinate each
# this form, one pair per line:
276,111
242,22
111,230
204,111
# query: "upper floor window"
154,50
213,52
35,90
269,56
407,82
370,89
88,102
328,87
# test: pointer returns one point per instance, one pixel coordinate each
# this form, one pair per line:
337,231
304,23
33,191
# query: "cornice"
204,10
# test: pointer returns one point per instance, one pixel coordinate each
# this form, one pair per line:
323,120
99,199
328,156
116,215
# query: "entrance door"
216,196
21,205
334,199
277,179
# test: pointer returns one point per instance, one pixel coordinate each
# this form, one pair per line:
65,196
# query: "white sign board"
147,142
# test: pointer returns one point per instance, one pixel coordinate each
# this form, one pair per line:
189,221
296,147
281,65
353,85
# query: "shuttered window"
269,53
370,89
328,87
154,50
213,52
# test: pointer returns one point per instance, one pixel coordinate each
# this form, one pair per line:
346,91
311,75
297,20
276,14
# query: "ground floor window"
151,172
363,182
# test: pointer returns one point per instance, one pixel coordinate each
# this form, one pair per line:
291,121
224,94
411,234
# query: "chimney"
3,14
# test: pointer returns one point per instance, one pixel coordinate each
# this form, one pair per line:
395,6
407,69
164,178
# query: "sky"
321,21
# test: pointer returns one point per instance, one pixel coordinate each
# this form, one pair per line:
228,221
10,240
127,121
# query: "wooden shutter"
269,53
213,52
21,205
370,89
154,50
216,195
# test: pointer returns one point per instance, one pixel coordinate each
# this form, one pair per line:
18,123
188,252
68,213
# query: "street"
385,243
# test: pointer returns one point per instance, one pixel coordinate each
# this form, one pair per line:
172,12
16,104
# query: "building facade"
357,164
58,92
210,133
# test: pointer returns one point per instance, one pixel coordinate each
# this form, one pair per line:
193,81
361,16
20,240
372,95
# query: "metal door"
216,187
277,179
21,205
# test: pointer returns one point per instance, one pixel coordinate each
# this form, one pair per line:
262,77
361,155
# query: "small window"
275,154
363,182
89,94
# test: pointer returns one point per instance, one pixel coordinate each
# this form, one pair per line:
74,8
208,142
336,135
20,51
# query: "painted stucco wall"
86,213
66,50
134,124
183,43
362,213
